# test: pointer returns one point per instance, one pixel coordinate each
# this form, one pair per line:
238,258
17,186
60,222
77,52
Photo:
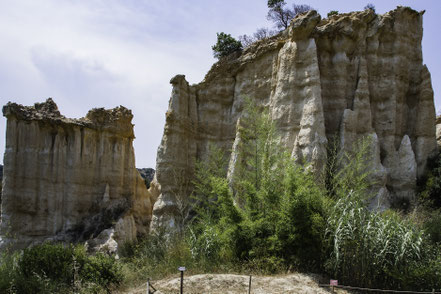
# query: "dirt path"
235,284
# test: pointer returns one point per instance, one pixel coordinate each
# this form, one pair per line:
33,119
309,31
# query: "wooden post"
332,289
148,286
433,290
182,282
182,269
249,287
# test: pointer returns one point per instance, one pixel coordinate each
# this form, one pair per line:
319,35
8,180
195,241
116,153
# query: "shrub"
332,12
225,45
430,185
57,268
51,260
8,263
370,248
432,226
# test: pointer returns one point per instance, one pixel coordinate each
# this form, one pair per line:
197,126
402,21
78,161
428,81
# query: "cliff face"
351,76
69,179
438,131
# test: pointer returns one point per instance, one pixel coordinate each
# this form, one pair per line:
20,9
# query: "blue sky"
105,53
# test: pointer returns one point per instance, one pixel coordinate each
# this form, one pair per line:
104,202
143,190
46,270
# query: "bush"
225,45
332,12
100,269
430,185
158,256
260,34
57,268
51,260
8,263
432,226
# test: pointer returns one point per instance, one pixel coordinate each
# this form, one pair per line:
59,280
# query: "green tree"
430,186
225,45
370,6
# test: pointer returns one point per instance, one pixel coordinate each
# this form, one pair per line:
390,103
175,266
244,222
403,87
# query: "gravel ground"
235,284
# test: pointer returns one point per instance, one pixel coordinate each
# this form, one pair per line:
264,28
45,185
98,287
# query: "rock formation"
70,179
1,182
438,131
343,78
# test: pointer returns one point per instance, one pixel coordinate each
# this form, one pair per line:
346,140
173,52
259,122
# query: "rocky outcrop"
70,179
344,78
1,182
438,131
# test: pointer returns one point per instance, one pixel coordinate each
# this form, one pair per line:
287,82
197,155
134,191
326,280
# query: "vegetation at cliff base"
58,268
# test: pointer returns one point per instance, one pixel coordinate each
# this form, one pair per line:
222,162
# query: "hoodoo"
344,78
71,179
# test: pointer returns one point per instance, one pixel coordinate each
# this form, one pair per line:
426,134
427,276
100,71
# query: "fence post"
182,269
249,286
332,289
148,286
433,290
182,282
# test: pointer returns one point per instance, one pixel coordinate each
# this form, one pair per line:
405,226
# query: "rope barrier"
377,290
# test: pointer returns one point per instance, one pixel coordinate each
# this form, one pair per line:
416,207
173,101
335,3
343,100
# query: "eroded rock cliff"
438,131
350,76
70,179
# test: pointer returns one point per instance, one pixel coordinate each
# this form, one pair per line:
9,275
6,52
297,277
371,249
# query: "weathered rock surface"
70,179
438,131
347,77
1,182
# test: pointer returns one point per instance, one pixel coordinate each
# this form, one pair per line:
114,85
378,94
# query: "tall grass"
370,248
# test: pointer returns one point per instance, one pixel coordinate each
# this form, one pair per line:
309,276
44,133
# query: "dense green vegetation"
58,268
